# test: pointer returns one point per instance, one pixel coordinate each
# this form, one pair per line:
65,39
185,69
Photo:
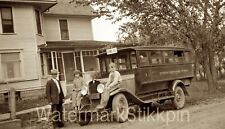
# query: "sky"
104,30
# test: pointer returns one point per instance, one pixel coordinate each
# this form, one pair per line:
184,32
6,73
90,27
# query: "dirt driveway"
206,115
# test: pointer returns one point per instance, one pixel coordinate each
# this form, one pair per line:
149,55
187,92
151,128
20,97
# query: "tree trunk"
202,73
211,88
220,73
213,67
207,62
195,68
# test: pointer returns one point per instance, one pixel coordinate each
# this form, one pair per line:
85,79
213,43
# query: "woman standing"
78,82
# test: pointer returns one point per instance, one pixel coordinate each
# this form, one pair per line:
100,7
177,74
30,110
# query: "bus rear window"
179,56
133,60
187,57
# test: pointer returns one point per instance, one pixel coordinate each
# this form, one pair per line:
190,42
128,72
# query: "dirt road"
207,115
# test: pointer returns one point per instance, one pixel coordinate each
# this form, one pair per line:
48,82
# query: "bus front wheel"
120,108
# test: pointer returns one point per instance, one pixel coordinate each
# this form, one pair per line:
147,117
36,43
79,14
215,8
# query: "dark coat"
52,92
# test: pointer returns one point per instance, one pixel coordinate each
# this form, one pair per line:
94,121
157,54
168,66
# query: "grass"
31,119
199,92
24,104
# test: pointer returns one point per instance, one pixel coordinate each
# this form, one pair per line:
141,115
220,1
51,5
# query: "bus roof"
147,48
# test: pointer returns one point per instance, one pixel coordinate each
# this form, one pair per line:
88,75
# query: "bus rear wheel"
179,98
120,108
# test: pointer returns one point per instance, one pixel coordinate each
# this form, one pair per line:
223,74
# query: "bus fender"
181,84
130,97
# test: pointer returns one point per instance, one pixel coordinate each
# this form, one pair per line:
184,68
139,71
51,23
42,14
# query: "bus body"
149,74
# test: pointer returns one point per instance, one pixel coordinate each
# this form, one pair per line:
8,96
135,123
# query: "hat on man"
76,72
54,72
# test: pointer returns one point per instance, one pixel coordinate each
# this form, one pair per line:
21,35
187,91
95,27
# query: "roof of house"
64,7
72,45
30,1
41,4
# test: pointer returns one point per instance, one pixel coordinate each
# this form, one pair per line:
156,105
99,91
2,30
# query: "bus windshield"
126,62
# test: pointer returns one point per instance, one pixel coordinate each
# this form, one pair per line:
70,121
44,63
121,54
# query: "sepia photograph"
115,64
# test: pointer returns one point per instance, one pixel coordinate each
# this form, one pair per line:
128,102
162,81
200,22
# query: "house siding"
79,28
24,40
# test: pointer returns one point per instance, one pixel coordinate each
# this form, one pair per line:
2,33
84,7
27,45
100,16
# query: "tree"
196,23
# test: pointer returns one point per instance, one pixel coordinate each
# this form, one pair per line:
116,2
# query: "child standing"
78,82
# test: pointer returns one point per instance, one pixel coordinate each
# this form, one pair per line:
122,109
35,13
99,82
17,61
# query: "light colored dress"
78,82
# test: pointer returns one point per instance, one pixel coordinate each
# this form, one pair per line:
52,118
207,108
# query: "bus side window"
133,60
123,62
179,56
168,57
155,57
143,58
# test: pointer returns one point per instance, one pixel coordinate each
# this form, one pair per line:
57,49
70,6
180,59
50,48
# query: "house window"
38,21
11,65
64,29
7,20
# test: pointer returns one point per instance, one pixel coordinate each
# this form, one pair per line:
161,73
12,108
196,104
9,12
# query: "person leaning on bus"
112,83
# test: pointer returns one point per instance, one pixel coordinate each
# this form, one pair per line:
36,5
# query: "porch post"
64,68
52,57
82,61
98,63
56,61
74,58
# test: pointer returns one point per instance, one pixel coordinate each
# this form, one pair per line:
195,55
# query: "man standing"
55,98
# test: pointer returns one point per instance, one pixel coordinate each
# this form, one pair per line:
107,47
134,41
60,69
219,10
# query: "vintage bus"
149,74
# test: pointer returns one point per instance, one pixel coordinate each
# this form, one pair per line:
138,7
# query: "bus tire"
179,98
120,108
84,119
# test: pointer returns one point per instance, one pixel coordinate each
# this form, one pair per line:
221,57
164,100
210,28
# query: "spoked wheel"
84,119
120,108
179,98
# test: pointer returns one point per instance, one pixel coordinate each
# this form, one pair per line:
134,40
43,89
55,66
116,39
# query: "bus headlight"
84,90
100,88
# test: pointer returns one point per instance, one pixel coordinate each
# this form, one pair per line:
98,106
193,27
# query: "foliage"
188,21
194,23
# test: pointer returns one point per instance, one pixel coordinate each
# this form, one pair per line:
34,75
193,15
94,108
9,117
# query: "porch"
66,56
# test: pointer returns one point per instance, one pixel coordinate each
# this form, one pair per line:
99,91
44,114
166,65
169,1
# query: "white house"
21,31
39,35
70,43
